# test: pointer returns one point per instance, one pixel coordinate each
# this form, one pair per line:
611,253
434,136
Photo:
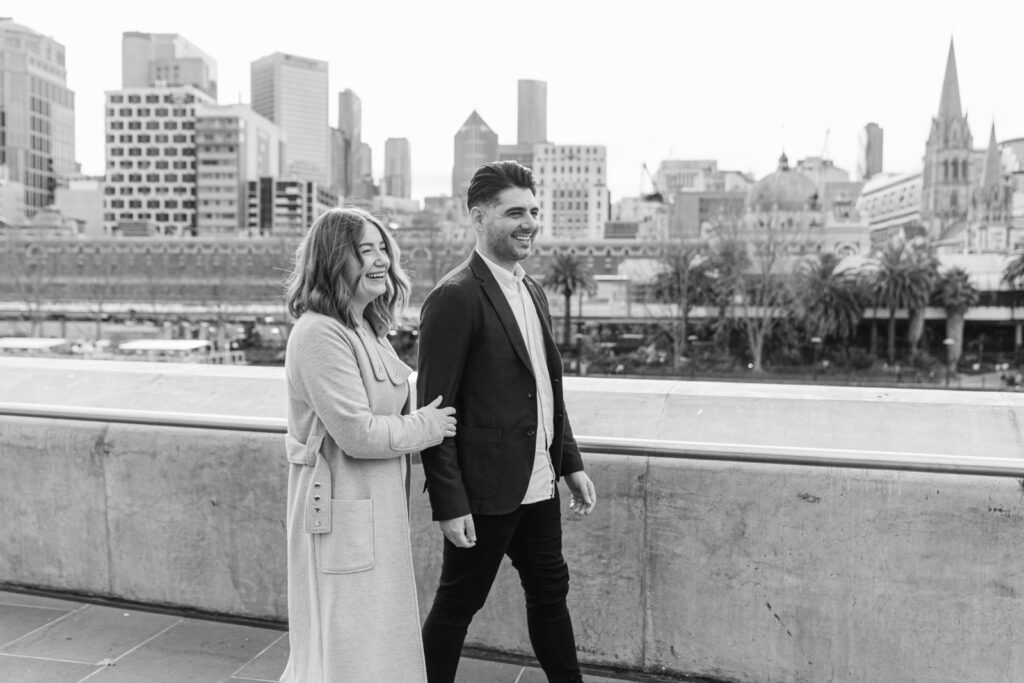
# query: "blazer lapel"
500,304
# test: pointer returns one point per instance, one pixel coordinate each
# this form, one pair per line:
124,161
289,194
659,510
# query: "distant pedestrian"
352,609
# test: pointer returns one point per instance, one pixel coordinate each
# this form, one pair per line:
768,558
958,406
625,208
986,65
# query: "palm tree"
922,255
567,275
899,280
831,301
956,293
1013,275
682,284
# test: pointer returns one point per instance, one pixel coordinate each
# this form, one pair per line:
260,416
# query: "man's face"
507,228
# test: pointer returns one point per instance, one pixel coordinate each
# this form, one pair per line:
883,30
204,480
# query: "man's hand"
584,495
460,531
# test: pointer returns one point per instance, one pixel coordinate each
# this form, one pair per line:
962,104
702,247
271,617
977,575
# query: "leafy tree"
683,282
566,274
762,296
956,293
729,261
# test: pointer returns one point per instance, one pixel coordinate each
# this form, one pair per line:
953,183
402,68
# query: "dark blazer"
472,353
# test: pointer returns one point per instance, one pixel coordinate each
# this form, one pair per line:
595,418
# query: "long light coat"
352,609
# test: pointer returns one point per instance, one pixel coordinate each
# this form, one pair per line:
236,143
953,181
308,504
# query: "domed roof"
785,189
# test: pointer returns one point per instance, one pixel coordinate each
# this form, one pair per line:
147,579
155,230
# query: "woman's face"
370,276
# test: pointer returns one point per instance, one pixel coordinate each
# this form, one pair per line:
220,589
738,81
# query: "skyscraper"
397,168
869,151
533,112
475,144
157,59
291,91
37,113
350,125
572,191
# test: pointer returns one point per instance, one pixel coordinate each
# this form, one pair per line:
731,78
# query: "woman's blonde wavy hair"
321,281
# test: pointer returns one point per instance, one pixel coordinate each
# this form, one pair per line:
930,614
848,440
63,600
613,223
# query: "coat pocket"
349,547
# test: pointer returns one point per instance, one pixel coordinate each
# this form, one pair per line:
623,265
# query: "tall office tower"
869,151
572,191
533,112
350,123
946,181
291,91
151,159
152,59
339,165
234,145
37,114
397,168
363,187
475,144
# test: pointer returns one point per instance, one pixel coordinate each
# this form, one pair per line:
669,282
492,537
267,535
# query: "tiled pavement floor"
50,640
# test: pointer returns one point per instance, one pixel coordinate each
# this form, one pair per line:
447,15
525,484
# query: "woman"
352,609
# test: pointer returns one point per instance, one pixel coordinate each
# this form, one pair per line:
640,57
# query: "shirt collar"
504,277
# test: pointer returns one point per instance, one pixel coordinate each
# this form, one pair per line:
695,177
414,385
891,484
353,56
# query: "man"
486,347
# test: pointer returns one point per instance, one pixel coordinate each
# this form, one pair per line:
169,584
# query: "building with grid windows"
151,159
37,114
234,145
572,191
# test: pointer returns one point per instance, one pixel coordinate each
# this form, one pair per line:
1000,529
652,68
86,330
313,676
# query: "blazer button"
531,395
531,432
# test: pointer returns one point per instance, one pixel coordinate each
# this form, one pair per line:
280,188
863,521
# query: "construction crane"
655,196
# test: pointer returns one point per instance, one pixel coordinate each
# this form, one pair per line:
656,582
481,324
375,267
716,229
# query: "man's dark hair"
493,178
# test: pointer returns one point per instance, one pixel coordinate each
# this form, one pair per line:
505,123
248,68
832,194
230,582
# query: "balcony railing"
902,461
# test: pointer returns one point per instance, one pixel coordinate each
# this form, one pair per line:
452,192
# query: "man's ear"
476,217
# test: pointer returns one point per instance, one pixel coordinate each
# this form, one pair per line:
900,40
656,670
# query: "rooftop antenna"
824,147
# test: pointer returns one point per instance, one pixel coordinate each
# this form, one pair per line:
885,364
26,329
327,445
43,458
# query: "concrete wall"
735,572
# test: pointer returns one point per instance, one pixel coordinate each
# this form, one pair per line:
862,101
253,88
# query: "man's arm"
446,329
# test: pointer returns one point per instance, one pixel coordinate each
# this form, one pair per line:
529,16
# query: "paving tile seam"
46,625
260,654
23,604
47,659
153,637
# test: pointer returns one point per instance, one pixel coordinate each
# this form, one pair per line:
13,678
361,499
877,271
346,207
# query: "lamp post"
948,343
693,356
817,347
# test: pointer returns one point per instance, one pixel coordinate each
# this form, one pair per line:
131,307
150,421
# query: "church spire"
949,104
993,172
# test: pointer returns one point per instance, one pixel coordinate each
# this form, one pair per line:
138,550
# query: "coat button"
316,523
316,484
531,395
316,499
531,432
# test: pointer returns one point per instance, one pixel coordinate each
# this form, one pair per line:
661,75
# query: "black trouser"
532,538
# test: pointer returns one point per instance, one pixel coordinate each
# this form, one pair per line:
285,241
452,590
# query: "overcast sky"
734,81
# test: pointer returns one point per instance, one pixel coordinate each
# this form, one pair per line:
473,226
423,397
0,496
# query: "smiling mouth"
525,239
375,276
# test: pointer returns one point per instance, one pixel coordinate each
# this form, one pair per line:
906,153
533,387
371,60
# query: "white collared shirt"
542,481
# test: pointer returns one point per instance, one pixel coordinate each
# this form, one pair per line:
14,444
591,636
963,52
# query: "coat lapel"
500,304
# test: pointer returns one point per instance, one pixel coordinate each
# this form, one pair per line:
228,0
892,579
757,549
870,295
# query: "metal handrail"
685,450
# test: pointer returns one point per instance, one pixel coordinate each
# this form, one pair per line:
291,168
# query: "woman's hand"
443,416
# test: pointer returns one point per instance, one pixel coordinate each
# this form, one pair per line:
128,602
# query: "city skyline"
737,84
